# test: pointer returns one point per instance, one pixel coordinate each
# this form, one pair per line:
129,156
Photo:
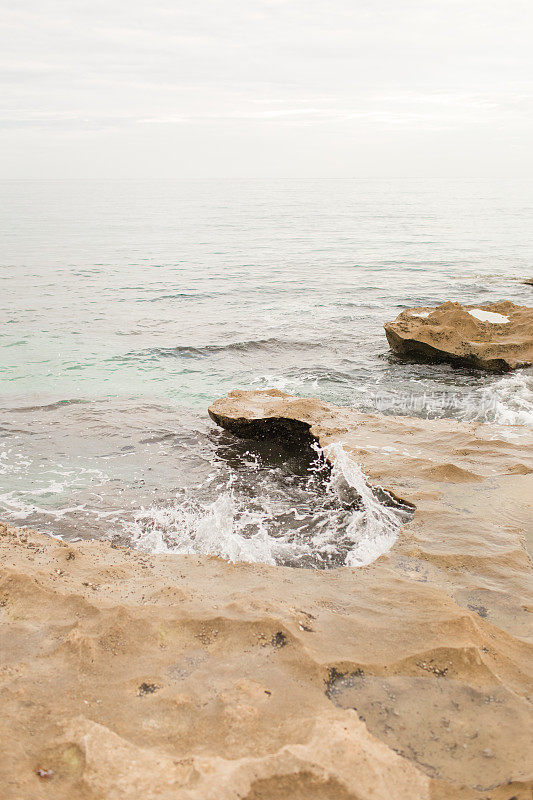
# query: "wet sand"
127,675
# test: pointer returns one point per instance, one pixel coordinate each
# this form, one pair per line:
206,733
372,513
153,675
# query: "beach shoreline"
192,677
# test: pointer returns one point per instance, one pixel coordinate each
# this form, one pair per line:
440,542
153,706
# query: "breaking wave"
509,401
506,401
338,520
249,346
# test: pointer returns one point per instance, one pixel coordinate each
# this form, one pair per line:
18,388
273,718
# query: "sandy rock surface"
496,336
127,676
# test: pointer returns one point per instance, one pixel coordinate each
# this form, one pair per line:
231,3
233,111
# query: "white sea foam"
508,401
374,527
283,384
214,528
504,401
47,494
234,529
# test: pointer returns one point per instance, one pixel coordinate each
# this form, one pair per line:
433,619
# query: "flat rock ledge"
494,336
167,677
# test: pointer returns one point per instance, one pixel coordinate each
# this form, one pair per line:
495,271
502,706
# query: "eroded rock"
495,336
405,679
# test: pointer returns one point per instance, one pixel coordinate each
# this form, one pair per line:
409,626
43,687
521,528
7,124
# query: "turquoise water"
127,307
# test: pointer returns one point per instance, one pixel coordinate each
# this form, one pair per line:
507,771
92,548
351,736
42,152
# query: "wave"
249,345
51,406
180,296
346,524
508,401
374,526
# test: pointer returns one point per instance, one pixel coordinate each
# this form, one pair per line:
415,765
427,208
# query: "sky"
266,88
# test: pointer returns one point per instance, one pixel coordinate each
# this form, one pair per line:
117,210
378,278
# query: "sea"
128,306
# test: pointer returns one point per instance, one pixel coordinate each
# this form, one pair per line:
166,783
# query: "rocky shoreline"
127,675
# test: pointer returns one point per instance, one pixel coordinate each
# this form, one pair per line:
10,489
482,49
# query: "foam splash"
49,495
505,401
216,528
508,401
344,524
374,526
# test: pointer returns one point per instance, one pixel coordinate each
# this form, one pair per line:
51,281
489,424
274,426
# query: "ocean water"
127,307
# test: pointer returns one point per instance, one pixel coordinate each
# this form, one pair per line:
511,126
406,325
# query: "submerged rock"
495,336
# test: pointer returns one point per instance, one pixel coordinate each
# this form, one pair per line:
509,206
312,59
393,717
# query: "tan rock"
495,336
408,680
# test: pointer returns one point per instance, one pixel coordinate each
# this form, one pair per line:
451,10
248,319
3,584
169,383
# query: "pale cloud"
104,82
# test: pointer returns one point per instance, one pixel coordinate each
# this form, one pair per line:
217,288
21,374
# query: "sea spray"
217,528
508,401
373,526
333,519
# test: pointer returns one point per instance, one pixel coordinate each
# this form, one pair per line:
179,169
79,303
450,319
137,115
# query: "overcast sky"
266,88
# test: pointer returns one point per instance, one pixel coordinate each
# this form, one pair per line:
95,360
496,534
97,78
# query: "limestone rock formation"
495,336
170,677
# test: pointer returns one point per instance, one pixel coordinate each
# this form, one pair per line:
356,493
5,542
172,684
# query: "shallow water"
128,307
